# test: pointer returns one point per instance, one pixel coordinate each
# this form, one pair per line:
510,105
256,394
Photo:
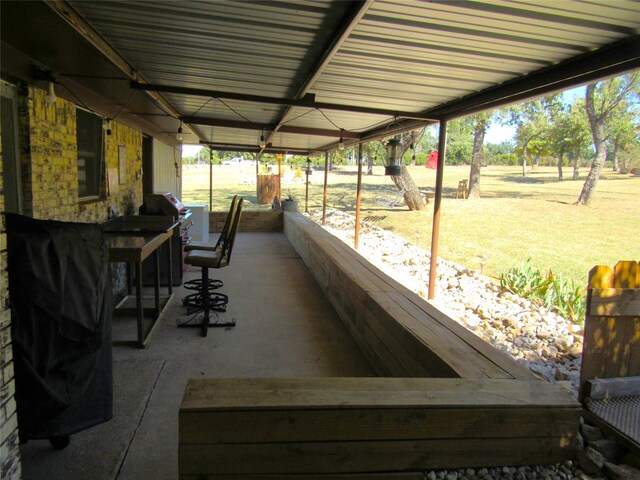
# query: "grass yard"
516,218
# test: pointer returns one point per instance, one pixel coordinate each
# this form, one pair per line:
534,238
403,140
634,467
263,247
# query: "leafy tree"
622,133
459,142
533,121
603,102
570,136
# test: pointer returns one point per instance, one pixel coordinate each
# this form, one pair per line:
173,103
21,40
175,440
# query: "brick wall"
9,452
49,155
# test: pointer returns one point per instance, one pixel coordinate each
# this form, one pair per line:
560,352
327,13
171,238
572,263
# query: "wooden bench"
445,397
353,427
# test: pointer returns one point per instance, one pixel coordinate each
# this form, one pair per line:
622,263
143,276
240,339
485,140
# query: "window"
89,135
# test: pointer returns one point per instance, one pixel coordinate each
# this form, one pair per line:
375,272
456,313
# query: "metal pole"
358,195
210,180
435,230
324,193
279,178
306,194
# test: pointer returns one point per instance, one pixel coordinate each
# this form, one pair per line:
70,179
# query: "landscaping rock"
591,433
621,472
610,450
591,461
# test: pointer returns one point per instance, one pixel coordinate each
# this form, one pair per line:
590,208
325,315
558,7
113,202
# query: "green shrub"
548,290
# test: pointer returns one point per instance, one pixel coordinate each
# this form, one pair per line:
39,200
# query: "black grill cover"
60,325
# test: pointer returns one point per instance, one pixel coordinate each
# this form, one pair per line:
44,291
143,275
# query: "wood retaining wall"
260,221
444,398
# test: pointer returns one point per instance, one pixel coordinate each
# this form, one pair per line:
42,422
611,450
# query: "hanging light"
50,97
309,166
179,136
106,126
262,141
341,142
393,166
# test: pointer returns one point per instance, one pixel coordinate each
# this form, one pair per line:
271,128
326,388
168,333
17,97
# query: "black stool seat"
195,245
207,259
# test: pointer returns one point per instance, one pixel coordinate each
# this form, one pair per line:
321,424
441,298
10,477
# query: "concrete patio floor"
285,327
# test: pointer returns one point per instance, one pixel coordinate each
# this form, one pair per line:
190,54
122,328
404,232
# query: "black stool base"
196,284
230,323
216,301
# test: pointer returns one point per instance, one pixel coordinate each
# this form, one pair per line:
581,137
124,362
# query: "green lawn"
516,218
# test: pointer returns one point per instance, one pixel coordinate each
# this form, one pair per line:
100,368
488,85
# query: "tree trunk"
524,161
576,166
369,165
412,197
615,158
476,163
560,166
598,134
536,163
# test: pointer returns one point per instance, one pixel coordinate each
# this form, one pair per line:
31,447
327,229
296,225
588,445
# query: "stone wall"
9,452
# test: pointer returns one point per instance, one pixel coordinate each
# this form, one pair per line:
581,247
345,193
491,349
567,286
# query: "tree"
570,135
605,101
533,121
621,135
479,124
412,196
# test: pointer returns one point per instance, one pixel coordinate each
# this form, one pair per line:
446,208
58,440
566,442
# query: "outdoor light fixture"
393,166
106,126
50,97
262,141
179,136
341,143
50,77
309,166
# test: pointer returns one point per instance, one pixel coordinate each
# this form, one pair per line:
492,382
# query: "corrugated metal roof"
399,55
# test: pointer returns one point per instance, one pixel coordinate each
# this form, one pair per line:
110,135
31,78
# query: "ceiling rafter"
308,101
269,127
227,147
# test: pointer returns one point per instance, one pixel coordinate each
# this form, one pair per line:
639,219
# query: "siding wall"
166,176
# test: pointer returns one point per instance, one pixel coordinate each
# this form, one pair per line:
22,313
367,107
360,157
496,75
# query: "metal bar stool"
193,300
207,259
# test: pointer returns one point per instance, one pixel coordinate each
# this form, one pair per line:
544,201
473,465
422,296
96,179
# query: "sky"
500,133
495,134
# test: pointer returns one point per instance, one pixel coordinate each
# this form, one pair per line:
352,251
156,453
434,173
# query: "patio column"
210,179
356,236
435,230
324,192
306,192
